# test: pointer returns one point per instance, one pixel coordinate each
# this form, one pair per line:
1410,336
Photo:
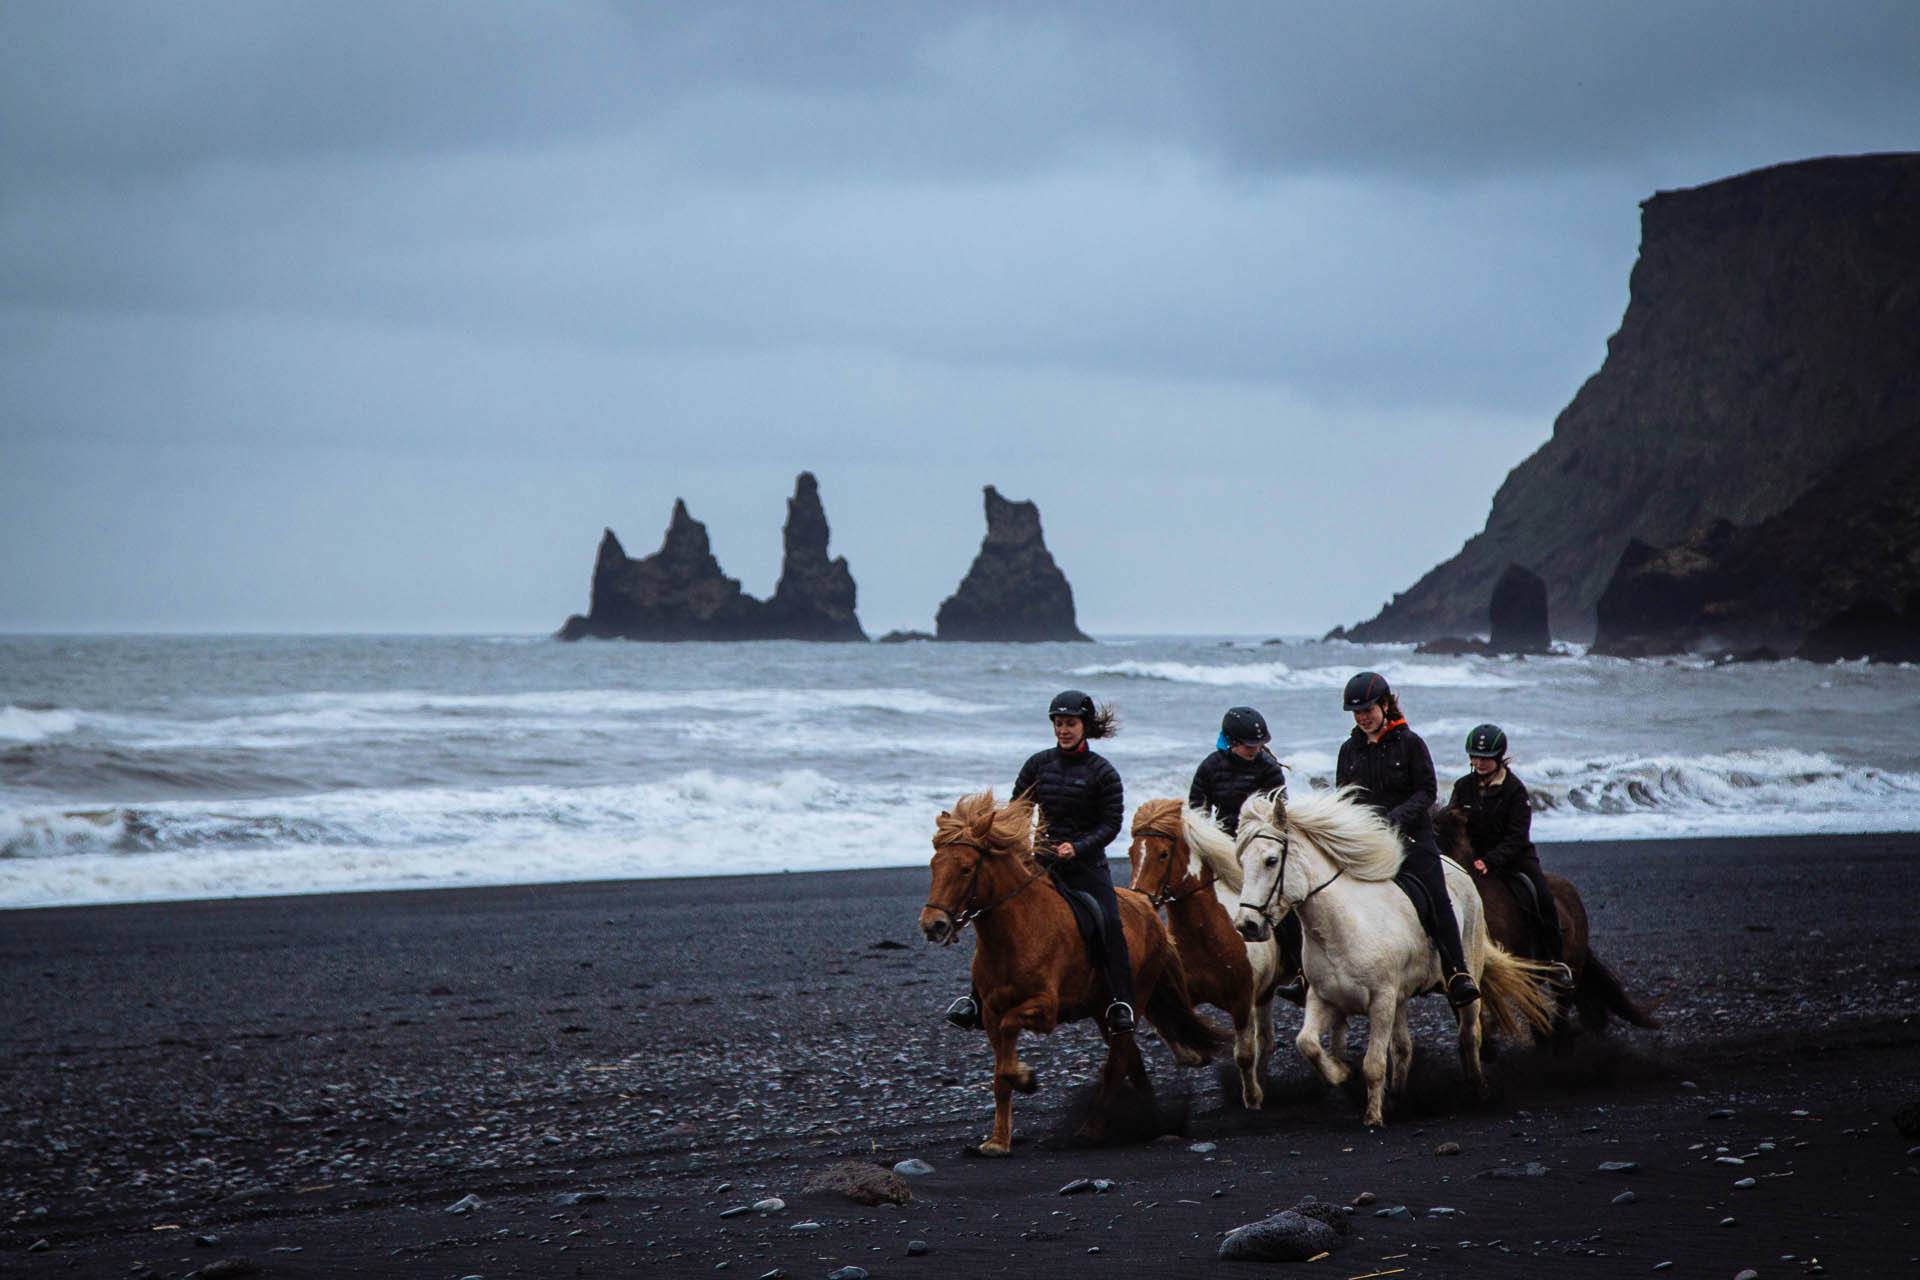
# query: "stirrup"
1293,990
1119,1018
1560,974
964,1013
1461,990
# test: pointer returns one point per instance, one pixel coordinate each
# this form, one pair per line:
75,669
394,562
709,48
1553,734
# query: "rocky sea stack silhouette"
1747,455
680,593
1014,590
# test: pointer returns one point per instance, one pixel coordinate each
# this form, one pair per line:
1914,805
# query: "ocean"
144,768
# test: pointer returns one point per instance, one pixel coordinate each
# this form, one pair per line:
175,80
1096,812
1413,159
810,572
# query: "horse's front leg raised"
1319,1014
1382,1016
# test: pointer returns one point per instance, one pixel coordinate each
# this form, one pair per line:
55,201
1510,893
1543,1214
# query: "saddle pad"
1086,915
1416,892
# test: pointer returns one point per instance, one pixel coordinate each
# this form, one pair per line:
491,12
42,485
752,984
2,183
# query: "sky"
369,317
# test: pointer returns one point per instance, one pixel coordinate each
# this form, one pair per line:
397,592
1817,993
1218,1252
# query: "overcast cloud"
335,317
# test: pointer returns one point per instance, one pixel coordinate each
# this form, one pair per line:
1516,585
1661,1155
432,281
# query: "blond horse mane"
1353,835
1213,847
999,832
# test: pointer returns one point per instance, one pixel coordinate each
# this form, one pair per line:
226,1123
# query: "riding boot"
1292,986
965,1012
1547,929
1445,928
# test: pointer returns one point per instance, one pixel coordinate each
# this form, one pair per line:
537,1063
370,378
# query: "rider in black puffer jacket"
1500,827
1239,766
1394,771
1083,806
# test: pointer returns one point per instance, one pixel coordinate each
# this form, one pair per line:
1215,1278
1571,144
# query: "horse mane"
974,819
1352,834
1152,814
1213,847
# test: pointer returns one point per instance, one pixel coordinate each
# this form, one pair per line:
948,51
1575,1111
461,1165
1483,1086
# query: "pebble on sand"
1619,1166
1729,1222
772,1204
1625,1197
1748,1274
917,1248
1447,1149
1746,1183
1285,1237
230,1269
913,1167
848,1273
464,1205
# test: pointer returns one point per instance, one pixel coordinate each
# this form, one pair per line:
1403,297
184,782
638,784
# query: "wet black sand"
314,1081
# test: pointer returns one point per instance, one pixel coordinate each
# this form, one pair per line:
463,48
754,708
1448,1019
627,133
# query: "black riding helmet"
1364,690
1071,702
1487,740
1244,724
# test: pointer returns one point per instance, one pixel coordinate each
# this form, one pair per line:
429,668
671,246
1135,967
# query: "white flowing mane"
1353,835
1212,846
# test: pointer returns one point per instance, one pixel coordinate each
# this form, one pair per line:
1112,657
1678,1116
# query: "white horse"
1331,861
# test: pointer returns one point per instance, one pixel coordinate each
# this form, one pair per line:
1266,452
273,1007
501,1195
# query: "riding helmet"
1364,690
1244,724
1071,702
1487,740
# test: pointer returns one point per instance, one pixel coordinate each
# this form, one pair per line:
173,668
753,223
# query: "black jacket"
1224,781
1079,796
1395,776
1499,820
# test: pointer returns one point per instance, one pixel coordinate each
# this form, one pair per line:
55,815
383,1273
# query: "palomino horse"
1331,861
1223,969
1030,965
1596,990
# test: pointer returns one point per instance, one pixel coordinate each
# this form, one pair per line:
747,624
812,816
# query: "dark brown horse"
1223,969
1596,992
1030,966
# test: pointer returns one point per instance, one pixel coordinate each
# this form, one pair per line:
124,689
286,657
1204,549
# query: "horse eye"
1272,861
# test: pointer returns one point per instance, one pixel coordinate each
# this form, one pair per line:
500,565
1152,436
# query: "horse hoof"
991,1148
1026,1081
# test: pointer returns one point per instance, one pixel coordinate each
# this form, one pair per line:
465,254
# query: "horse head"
1273,876
1450,833
1163,868
968,840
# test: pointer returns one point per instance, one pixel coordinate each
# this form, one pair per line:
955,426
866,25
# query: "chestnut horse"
1030,965
1595,991
1223,969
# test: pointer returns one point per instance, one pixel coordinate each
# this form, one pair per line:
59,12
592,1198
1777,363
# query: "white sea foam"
1278,675
19,724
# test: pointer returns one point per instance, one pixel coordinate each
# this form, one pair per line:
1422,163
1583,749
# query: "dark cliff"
1771,337
1014,590
680,593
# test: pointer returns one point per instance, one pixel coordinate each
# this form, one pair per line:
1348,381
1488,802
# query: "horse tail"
1600,994
1514,993
1174,1021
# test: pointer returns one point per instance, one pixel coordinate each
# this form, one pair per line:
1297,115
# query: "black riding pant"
1423,861
1548,917
1091,876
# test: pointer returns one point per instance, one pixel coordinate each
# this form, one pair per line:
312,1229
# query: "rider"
1500,826
1240,766
1394,771
1081,803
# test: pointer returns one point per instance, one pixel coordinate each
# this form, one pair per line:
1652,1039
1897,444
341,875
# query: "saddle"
1086,916
1523,888
1416,892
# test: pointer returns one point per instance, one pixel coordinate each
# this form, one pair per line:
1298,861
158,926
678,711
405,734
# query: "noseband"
1286,851
966,915
1161,897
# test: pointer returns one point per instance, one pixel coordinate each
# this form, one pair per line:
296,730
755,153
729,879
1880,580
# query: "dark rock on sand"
680,593
1508,1172
229,1269
1285,1237
1333,1215
1517,613
1766,350
1619,1166
867,1184
917,1248
1447,1149
1014,590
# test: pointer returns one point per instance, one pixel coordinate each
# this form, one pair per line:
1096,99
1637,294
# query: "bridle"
966,915
1162,897
1286,851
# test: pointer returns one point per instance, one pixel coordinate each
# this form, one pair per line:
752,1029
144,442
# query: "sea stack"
1764,375
680,593
1014,590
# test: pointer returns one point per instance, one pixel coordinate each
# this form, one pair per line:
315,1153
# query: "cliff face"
680,593
1769,338
1014,590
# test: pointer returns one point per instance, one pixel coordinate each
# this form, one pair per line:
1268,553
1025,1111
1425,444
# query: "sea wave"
1279,675
35,724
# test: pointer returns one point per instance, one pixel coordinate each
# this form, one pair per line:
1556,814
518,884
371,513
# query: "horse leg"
1007,1074
1402,1051
1337,1037
1246,1054
1112,1076
1382,1014
1307,1042
1264,1013
1470,1043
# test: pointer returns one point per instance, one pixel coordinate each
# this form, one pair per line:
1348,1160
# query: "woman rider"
1239,766
1081,803
1391,766
1500,827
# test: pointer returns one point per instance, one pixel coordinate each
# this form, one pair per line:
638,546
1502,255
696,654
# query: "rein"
1162,897
1286,850
967,915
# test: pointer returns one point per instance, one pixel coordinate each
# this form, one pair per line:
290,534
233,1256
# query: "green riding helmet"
1487,740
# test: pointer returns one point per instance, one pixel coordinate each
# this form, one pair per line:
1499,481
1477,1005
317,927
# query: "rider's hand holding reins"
1064,850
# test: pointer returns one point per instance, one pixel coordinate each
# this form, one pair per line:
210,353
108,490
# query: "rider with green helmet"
1499,823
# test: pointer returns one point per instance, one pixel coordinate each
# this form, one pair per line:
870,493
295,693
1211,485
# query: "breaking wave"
1278,675
28,724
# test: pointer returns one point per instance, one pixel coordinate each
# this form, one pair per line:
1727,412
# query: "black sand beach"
310,1083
